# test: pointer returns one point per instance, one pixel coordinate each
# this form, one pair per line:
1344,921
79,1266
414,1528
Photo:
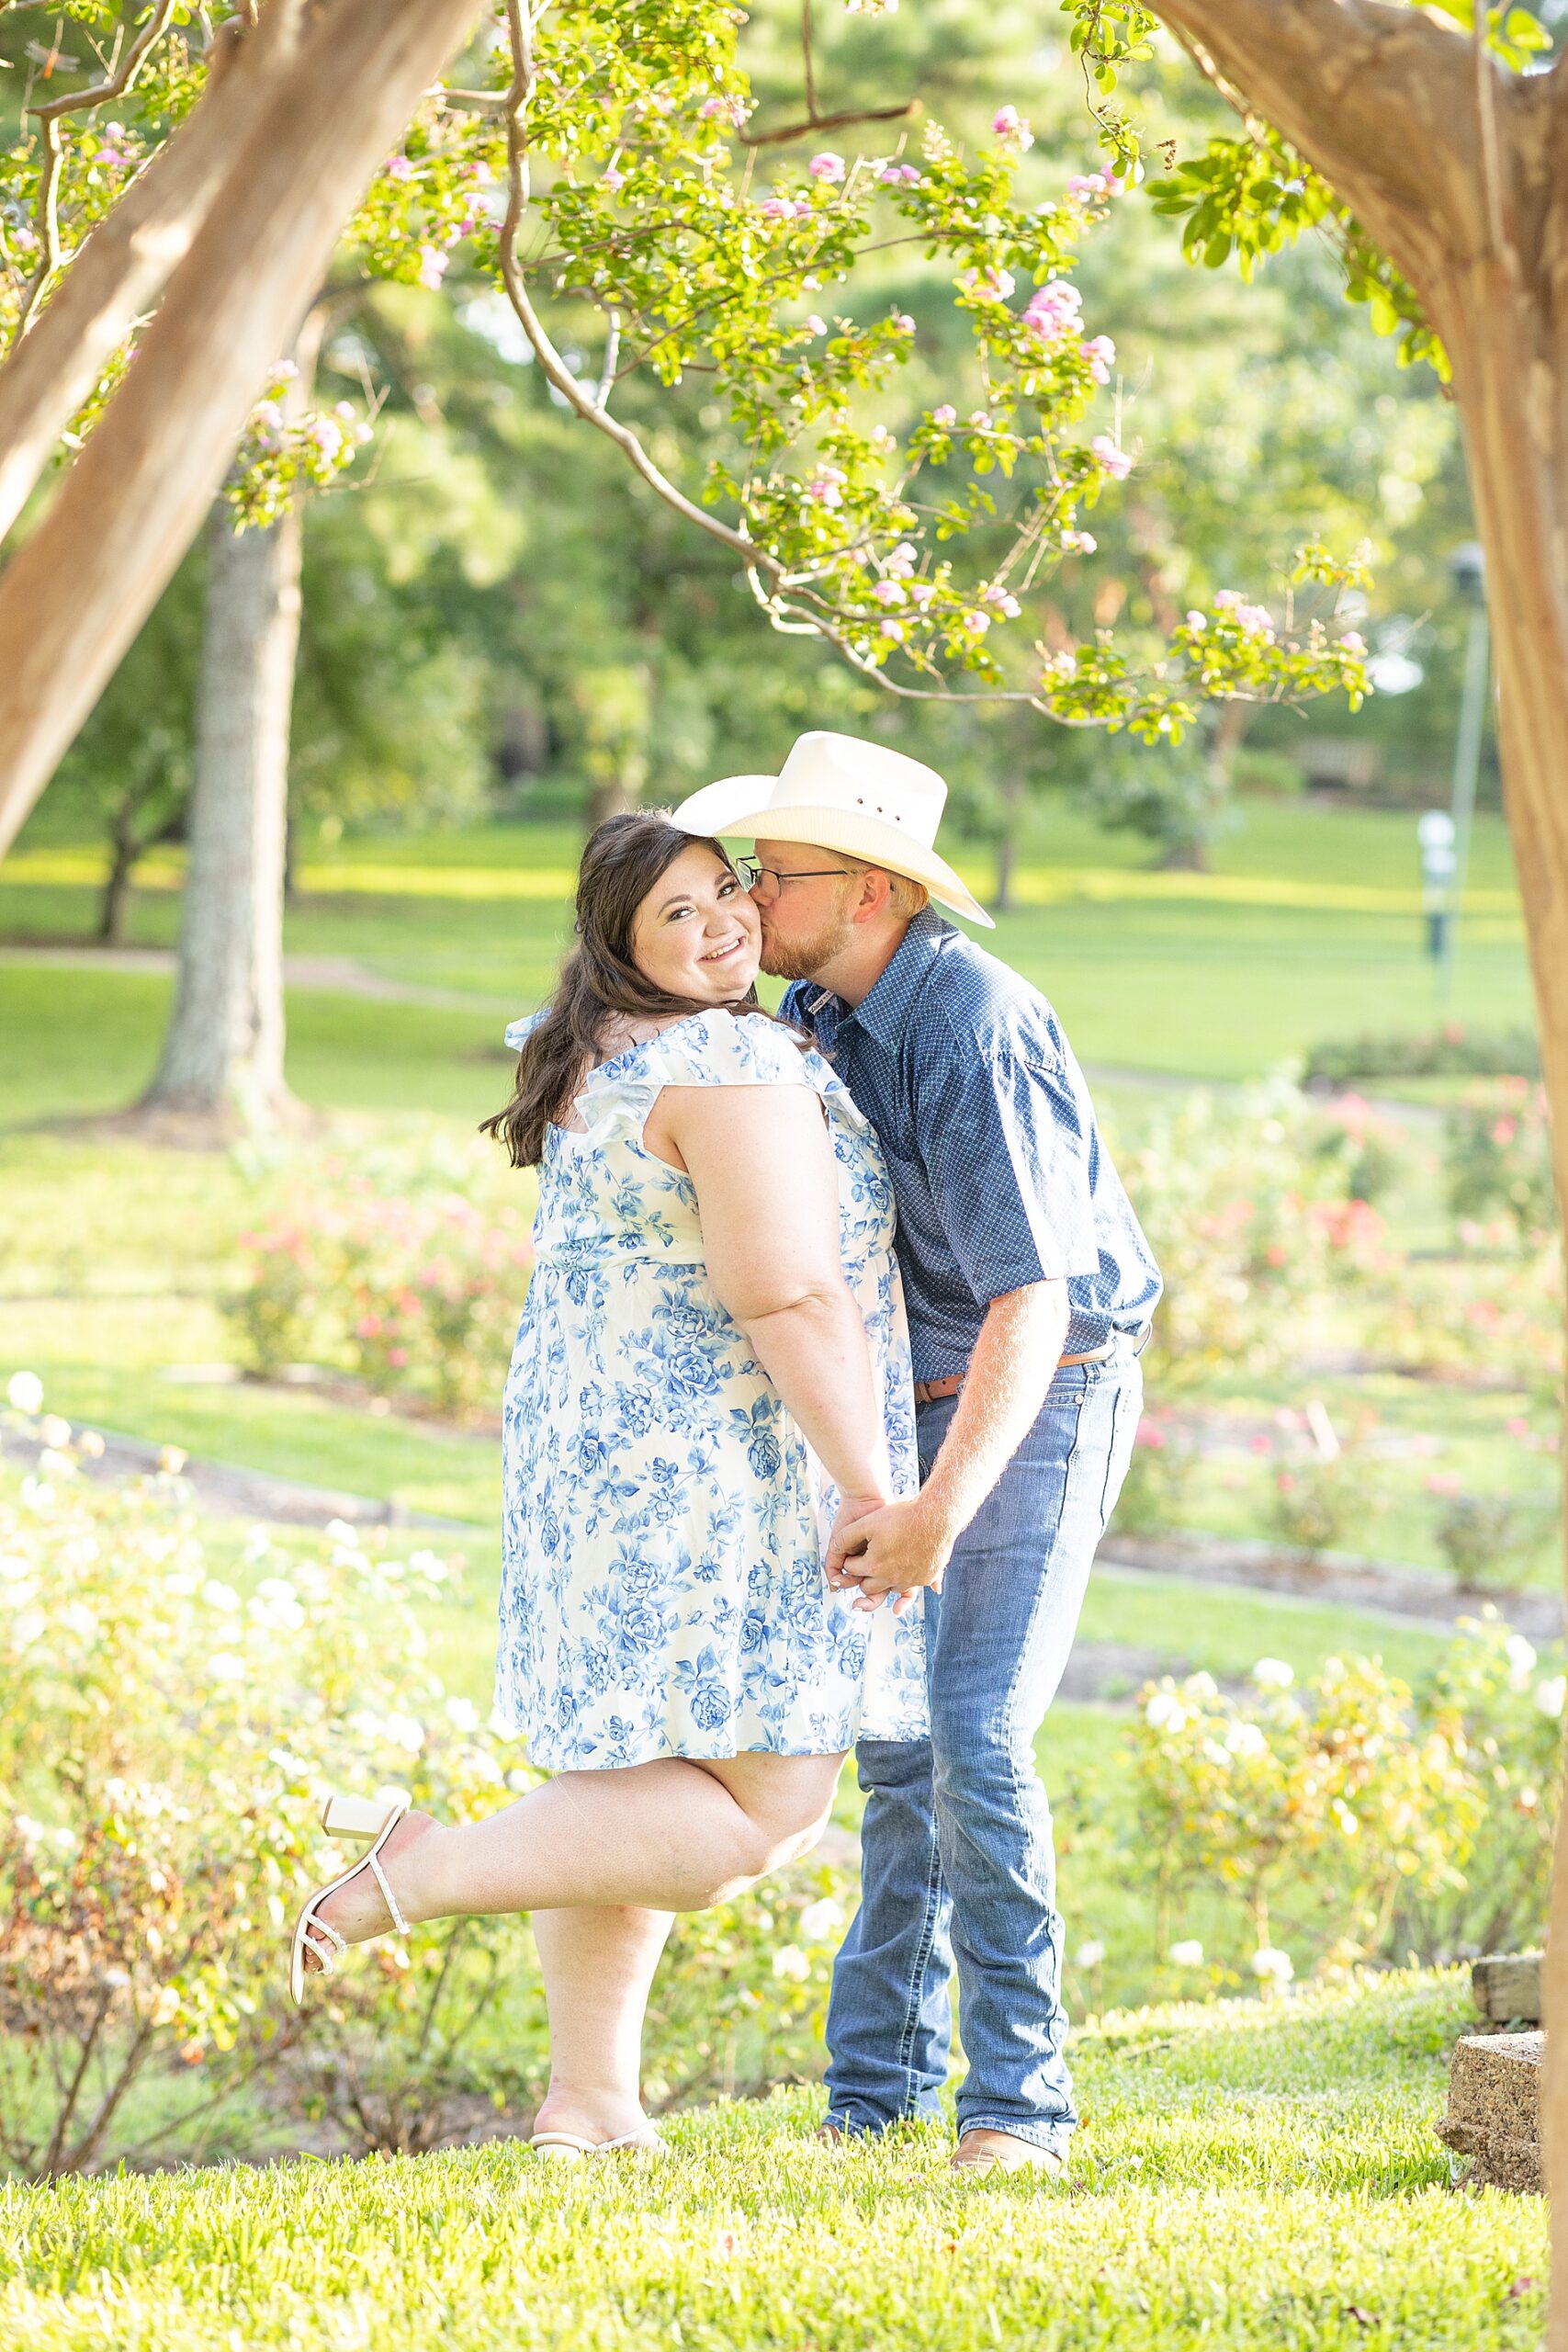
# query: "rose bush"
403,1265
1343,1824
1245,1203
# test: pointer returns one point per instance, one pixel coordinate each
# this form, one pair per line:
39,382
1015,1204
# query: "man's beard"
803,958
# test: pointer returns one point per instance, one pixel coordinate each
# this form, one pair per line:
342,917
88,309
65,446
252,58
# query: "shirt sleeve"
1008,1143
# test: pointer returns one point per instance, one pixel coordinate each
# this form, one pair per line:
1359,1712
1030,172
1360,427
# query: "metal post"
1466,756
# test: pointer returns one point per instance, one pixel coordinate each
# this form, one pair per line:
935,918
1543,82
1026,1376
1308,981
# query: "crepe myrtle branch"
588,405
46,217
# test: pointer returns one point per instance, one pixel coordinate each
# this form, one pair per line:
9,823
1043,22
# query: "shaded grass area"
1245,2177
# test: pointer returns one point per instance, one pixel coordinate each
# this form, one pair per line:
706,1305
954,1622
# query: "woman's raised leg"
670,1835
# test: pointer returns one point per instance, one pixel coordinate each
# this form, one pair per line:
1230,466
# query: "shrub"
1497,1155
166,1742
1449,1052
1318,1504
1345,1822
1458,1318
1492,1541
404,1267
1158,1478
1251,1222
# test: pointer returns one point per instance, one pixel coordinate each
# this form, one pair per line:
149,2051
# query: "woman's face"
698,934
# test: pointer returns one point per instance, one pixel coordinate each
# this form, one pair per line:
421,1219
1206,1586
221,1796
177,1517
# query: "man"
1030,1287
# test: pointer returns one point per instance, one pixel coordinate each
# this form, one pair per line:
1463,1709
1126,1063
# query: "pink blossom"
1354,642
826,166
901,562
1445,1482
898,175
1116,462
978,622
432,266
613,176
945,414
827,487
1079,542
1100,352
903,322
888,592
327,436
893,630
1007,123
987,285
981,419
921,593
1007,606
776,208
1197,622
802,207
814,325
1082,187
397,167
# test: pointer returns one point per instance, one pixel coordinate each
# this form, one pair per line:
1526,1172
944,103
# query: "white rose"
791,1961
226,1667
24,1390
1189,1954
1273,1967
1088,1955
821,1919
1245,1740
1521,1659
1165,1712
1273,1674
54,1431
1549,1694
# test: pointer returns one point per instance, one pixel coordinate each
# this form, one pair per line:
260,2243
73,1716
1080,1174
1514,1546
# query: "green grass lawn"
1309,928
1249,2176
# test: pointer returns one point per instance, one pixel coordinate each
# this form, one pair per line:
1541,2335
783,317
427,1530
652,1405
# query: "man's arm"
909,1544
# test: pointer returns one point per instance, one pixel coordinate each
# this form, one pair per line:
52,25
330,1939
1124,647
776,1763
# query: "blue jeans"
957,1863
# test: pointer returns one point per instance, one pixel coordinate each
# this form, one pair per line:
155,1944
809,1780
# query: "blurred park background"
1319,1672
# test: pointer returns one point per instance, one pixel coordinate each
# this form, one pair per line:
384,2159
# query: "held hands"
878,1548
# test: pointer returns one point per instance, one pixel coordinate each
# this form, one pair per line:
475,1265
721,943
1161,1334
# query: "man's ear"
872,899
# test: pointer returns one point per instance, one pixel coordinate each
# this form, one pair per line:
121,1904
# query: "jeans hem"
1053,2139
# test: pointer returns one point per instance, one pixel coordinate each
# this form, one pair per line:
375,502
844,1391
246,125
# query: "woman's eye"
727,889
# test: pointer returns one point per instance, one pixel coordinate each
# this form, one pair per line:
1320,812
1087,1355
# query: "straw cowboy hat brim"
836,792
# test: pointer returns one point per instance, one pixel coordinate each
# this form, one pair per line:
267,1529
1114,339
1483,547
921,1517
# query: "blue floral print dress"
665,1520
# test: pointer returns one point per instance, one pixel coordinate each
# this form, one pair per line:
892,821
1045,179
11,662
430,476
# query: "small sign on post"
1435,832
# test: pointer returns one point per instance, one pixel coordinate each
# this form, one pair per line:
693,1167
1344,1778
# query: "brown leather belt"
931,1392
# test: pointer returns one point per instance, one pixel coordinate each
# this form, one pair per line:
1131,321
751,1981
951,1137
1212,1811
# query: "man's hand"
895,1548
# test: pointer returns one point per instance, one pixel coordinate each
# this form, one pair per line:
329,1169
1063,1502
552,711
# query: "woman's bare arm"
767,1194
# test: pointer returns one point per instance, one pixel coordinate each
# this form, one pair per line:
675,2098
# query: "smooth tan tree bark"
75,595
1460,172
222,1068
125,263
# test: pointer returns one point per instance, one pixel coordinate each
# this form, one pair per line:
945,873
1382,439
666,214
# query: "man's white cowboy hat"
843,793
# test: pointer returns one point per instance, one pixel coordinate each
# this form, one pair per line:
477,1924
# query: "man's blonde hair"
905,895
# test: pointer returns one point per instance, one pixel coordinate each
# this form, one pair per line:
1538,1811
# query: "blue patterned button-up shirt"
1001,1175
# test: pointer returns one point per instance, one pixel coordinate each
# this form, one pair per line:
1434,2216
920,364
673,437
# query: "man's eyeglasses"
752,873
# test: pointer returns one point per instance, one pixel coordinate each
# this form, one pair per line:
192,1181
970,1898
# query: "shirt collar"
884,1009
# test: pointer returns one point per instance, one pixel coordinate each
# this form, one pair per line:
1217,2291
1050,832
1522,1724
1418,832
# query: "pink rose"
826,166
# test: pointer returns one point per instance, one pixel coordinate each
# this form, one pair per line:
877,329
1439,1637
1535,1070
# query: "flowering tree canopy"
607,168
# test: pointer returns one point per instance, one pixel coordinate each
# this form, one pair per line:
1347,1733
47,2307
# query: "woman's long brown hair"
623,858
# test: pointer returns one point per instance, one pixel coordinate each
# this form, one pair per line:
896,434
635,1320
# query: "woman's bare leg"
598,1965
670,1835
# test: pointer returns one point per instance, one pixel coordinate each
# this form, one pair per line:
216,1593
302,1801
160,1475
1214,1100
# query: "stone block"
1494,2109
1507,1987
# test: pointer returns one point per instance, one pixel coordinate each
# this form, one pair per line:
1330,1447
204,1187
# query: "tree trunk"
1460,172
75,596
1007,846
123,853
223,1062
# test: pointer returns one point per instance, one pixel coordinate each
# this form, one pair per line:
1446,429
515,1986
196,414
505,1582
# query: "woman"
711,1358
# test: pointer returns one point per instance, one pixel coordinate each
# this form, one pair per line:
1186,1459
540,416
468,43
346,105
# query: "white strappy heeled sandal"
343,1817
571,2147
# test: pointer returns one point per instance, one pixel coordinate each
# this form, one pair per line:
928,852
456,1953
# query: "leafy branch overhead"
600,165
